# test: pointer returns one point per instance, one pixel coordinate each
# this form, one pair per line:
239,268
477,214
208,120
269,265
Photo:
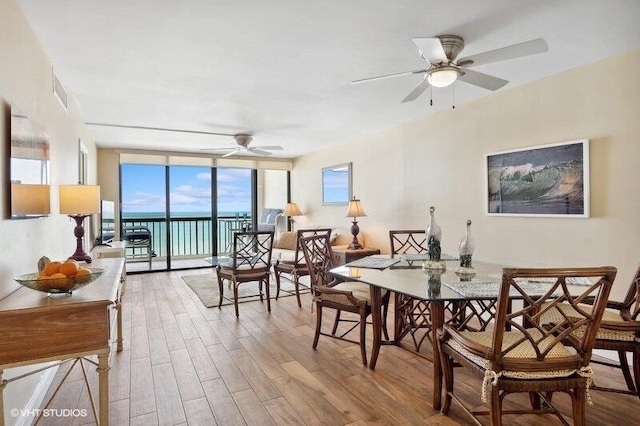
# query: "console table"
343,254
36,328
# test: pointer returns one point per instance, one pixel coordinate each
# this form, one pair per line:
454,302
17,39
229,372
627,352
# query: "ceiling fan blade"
509,52
483,80
218,149
229,154
431,50
269,147
259,152
364,80
419,89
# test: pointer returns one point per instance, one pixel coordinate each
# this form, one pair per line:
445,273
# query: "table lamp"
79,202
355,210
29,200
291,210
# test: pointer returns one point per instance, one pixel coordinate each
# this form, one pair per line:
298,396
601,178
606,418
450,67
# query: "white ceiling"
281,69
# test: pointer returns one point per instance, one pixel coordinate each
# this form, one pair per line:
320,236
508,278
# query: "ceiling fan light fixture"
442,77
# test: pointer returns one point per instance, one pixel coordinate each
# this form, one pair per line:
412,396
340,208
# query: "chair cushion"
359,290
524,350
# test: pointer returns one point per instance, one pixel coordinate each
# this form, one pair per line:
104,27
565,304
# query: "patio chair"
297,267
250,261
328,292
521,354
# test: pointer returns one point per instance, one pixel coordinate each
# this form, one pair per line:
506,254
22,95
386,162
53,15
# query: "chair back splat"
540,343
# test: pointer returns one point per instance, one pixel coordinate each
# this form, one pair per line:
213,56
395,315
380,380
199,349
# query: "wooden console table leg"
103,388
119,324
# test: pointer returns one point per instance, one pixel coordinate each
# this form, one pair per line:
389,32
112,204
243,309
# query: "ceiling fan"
441,53
243,147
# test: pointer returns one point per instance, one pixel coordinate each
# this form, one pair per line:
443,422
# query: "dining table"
467,301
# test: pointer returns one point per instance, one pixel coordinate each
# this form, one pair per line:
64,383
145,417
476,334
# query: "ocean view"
161,215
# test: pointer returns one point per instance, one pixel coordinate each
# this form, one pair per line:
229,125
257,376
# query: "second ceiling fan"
441,53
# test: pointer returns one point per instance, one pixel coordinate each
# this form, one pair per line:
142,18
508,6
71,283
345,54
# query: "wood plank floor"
186,364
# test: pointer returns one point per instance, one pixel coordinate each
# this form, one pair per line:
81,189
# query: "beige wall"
439,161
26,82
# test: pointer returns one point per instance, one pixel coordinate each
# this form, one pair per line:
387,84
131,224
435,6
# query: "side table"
343,254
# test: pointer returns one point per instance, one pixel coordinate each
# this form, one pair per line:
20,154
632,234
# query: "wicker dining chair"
414,315
250,261
297,267
328,292
521,354
619,331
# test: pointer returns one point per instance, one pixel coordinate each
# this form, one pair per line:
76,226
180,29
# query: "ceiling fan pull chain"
453,97
430,95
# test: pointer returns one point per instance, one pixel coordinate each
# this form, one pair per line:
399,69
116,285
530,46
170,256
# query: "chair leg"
636,370
626,372
495,414
318,325
363,335
267,291
297,286
277,274
235,298
335,323
447,370
578,396
221,289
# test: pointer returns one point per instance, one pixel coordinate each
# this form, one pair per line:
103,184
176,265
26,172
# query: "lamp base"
78,231
355,230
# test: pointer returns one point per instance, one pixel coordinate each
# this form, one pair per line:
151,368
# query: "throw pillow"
287,240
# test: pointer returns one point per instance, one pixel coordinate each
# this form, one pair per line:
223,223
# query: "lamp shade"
355,208
30,199
292,209
442,77
79,199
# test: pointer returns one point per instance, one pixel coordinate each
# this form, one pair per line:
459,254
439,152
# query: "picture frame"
541,181
336,184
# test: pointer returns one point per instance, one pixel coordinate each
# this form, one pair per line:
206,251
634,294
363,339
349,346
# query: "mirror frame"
337,184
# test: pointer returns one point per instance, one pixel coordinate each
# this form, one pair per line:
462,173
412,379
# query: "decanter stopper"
434,236
465,249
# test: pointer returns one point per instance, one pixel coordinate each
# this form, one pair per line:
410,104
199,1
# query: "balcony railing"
190,236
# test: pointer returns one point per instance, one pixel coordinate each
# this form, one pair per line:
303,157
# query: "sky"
143,189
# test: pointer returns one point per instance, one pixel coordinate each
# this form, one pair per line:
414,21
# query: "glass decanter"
434,236
466,248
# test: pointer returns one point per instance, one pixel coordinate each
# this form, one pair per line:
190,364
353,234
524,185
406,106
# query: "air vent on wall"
60,93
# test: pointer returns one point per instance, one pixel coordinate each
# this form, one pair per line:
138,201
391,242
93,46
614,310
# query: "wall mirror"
28,168
336,184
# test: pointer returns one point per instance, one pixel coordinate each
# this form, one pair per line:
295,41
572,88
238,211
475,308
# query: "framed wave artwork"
548,180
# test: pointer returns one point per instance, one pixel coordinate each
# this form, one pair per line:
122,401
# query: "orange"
69,268
52,268
83,271
57,275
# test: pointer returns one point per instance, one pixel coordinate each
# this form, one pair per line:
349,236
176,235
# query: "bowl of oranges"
60,277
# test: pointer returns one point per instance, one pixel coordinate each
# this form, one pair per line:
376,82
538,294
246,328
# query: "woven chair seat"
523,351
554,316
359,290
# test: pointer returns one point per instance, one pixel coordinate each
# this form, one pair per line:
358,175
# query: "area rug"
205,286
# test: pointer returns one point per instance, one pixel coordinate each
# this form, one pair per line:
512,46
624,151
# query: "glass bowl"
58,285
